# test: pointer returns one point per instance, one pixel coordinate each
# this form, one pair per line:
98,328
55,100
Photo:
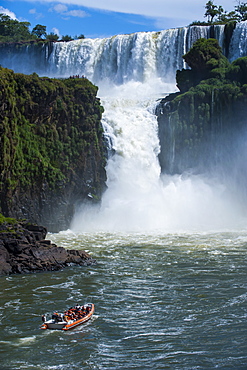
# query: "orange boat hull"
81,321
50,324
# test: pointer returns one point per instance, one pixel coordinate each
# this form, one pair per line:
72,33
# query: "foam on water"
138,197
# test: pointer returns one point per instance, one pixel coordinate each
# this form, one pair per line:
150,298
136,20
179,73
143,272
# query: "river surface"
163,301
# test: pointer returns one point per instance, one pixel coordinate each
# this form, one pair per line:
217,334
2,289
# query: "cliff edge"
52,150
202,127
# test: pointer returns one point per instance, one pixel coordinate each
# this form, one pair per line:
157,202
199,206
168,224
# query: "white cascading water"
238,45
138,197
132,72
122,58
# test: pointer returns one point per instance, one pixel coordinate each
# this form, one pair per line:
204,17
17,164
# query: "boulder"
23,249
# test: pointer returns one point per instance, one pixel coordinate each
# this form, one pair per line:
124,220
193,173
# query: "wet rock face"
23,249
52,149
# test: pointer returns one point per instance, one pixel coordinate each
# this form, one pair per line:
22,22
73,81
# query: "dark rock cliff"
203,127
52,150
23,249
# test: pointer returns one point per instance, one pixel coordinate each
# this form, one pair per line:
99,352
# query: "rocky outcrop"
23,249
202,127
52,149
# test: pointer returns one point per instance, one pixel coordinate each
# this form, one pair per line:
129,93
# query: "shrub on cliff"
237,71
206,60
211,105
51,142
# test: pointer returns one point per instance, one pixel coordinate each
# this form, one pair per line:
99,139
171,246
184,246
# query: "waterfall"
238,44
138,197
122,58
132,72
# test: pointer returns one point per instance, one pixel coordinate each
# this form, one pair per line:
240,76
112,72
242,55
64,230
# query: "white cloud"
63,10
77,13
175,9
7,12
56,31
60,8
35,13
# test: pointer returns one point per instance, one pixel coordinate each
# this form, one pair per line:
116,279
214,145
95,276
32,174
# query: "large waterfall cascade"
139,197
122,58
132,72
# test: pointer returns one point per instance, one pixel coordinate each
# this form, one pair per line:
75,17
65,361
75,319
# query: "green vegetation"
67,38
49,130
39,31
215,14
52,37
206,60
7,220
11,30
211,73
212,101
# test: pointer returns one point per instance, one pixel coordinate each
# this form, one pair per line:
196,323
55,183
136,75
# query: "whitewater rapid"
138,197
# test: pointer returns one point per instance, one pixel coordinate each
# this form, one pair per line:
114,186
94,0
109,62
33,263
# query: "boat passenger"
59,318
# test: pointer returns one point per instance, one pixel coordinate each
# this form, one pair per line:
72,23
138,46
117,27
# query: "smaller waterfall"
133,172
238,44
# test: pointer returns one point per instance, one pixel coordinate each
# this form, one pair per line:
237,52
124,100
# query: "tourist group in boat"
70,318
73,313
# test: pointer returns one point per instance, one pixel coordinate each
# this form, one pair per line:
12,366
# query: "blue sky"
103,18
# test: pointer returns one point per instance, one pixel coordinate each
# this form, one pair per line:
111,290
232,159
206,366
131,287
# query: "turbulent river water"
163,301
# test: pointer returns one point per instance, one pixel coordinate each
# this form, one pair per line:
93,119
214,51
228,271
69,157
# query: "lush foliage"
205,59
215,14
211,104
48,128
52,37
7,220
11,30
39,31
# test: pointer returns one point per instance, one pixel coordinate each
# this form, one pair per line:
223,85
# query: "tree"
241,10
13,30
80,37
39,31
67,38
52,37
205,56
228,17
211,11
206,61
220,11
